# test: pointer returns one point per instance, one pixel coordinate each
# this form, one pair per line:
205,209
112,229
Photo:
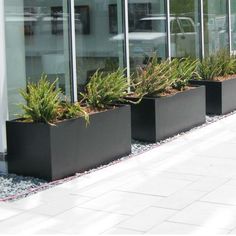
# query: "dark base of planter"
155,119
54,152
220,96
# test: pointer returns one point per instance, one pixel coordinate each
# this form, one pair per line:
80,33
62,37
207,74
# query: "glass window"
185,28
233,24
147,31
215,25
99,37
174,26
36,43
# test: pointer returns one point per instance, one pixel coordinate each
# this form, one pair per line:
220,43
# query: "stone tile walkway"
186,186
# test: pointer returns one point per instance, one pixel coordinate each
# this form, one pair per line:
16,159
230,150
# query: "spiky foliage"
68,110
105,89
185,70
155,78
218,64
226,62
209,68
42,101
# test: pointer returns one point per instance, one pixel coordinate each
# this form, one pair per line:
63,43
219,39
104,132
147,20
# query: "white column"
3,81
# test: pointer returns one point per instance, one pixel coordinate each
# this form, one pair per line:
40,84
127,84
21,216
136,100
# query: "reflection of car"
217,32
149,36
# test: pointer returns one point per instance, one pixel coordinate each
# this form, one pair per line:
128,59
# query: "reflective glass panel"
99,37
215,25
147,31
185,28
36,43
233,24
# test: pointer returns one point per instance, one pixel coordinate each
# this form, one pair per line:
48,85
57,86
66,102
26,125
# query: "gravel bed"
13,187
13,184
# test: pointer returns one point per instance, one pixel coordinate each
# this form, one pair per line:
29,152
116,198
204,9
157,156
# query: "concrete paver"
185,186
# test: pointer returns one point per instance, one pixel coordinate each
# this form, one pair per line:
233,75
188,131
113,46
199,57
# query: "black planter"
220,96
53,152
155,119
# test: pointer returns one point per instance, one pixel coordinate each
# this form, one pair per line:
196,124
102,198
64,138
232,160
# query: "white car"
149,36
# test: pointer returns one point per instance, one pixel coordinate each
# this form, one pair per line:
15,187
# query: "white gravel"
13,187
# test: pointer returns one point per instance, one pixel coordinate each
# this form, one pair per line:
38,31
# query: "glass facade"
147,31
108,34
216,34
233,25
36,42
185,28
99,37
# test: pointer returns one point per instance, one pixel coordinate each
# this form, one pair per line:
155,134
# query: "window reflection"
215,25
37,42
185,28
147,31
100,44
233,26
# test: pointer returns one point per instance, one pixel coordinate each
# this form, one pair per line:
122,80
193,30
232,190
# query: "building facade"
71,39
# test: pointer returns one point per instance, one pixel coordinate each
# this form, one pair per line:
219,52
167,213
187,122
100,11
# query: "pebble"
13,187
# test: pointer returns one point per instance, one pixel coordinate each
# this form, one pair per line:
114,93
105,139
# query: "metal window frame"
72,46
168,33
202,36
229,25
126,38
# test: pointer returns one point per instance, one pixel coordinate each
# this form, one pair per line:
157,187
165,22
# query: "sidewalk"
186,186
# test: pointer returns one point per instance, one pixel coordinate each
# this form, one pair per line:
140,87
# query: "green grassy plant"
105,89
154,79
219,64
43,103
68,110
184,70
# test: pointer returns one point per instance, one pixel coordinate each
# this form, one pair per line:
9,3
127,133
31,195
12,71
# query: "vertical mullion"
4,115
229,25
202,29
126,38
73,69
168,29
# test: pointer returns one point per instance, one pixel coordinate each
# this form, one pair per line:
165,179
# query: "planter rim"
192,87
117,106
213,81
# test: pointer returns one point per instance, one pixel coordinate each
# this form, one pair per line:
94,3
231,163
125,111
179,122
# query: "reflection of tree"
182,6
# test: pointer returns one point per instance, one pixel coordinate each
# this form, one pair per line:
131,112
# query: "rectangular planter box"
54,152
155,119
220,96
